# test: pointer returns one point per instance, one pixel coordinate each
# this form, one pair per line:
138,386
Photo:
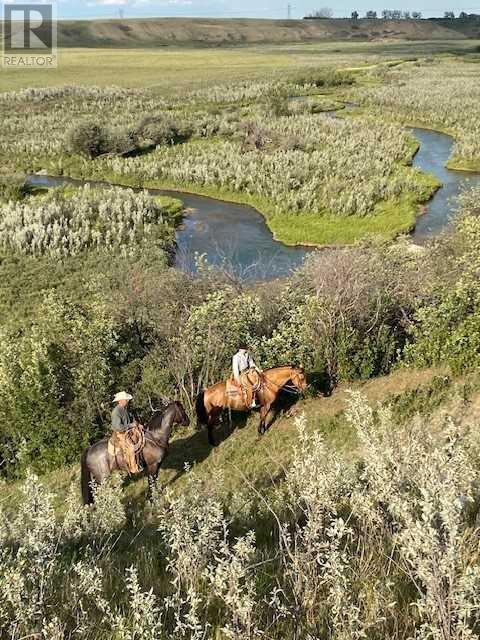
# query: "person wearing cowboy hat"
121,418
122,422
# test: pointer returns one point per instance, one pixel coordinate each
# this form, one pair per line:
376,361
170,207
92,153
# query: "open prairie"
173,69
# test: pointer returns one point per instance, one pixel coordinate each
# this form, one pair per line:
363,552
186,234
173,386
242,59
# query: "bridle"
292,389
163,443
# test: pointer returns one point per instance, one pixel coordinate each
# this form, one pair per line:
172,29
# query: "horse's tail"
85,480
202,415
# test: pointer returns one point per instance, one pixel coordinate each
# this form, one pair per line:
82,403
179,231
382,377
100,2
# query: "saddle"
233,388
130,444
250,383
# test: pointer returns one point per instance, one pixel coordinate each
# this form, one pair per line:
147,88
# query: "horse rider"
242,362
122,424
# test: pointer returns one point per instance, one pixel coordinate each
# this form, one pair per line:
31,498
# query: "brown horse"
97,463
213,400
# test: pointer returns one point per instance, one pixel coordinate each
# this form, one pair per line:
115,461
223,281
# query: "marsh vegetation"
245,142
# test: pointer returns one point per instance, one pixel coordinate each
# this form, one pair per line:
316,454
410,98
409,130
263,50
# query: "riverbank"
388,220
315,183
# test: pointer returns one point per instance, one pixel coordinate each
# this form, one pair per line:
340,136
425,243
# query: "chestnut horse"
213,400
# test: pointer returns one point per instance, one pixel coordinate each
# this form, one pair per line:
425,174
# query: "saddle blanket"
233,388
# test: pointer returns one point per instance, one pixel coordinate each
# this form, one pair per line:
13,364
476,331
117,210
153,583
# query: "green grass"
463,164
389,220
169,70
242,456
177,69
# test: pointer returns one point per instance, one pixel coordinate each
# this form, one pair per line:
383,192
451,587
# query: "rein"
162,444
293,390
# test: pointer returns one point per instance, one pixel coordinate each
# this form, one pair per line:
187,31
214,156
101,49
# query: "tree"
323,12
55,380
449,15
417,15
463,15
371,15
354,15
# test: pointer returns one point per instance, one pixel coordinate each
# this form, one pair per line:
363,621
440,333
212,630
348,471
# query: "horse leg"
212,418
153,457
152,475
95,468
264,411
211,439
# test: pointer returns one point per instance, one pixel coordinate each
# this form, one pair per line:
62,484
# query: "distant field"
168,69
155,32
179,69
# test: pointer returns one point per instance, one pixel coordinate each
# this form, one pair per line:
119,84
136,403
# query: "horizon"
250,9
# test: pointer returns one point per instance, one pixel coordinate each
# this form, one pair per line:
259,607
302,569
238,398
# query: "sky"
244,8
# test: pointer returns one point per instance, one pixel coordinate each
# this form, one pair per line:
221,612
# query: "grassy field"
177,69
168,70
218,116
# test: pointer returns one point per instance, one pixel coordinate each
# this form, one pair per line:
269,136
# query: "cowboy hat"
122,395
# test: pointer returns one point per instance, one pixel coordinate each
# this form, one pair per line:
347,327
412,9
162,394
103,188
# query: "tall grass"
65,223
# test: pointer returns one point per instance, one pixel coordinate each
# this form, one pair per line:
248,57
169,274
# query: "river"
237,236
435,150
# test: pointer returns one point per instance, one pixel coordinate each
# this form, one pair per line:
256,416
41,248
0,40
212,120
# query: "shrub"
325,78
351,319
89,139
64,223
12,188
160,130
447,328
122,141
255,136
278,106
200,350
54,378
383,546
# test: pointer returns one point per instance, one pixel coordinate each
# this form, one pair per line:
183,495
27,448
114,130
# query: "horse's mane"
155,419
286,366
158,415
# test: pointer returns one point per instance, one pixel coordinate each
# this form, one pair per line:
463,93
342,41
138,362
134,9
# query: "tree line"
390,14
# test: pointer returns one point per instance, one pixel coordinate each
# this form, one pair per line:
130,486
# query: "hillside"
242,456
199,31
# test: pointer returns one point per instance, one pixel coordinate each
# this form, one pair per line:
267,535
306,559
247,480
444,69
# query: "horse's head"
181,416
298,378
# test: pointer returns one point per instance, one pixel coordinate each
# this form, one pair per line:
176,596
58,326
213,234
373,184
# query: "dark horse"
97,464
213,400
